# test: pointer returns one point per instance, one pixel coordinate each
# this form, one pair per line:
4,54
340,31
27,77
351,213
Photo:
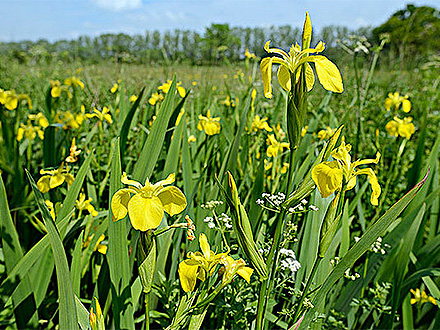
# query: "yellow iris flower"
291,65
405,128
11,100
101,248
260,123
330,175
101,115
165,87
394,100
201,265
275,146
145,205
74,81
248,54
326,134
155,97
29,131
56,88
40,119
74,152
70,120
209,124
114,88
83,204
54,178
421,297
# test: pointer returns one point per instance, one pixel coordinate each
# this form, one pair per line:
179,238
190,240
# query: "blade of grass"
13,253
117,255
67,306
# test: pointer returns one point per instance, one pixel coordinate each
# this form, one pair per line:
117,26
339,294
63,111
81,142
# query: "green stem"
272,258
147,311
309,282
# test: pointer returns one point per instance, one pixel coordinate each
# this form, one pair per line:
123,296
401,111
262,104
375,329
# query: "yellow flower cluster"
209,124
29,130
229,102
70,120
74,152
202,265
56,88
164,88
11,100
248,54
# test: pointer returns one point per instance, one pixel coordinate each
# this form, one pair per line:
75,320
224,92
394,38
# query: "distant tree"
217,42
412,31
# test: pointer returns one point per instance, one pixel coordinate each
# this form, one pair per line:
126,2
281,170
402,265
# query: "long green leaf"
72,194
13,253
67,306
117,255
123,133
153,145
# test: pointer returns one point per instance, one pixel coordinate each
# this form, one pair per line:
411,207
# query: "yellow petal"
145,213
212,128
406,105
204,245
169,180
284,78
173,200
328,74
127,181
69,178
56,180
119,204
246,273
310,77
374,184
266,74
43,184
188,275
327,177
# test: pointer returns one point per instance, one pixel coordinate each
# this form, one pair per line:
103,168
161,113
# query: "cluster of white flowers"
308,304
226,220
289,261
211,204
351,277
302,207
334,261
210,221
275,200
376,247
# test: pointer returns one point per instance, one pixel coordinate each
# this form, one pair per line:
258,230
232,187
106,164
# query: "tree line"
410,31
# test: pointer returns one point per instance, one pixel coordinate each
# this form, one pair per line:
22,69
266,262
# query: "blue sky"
67,19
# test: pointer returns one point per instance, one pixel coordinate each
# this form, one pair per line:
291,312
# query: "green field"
312,208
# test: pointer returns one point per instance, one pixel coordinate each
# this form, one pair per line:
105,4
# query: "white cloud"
118,5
